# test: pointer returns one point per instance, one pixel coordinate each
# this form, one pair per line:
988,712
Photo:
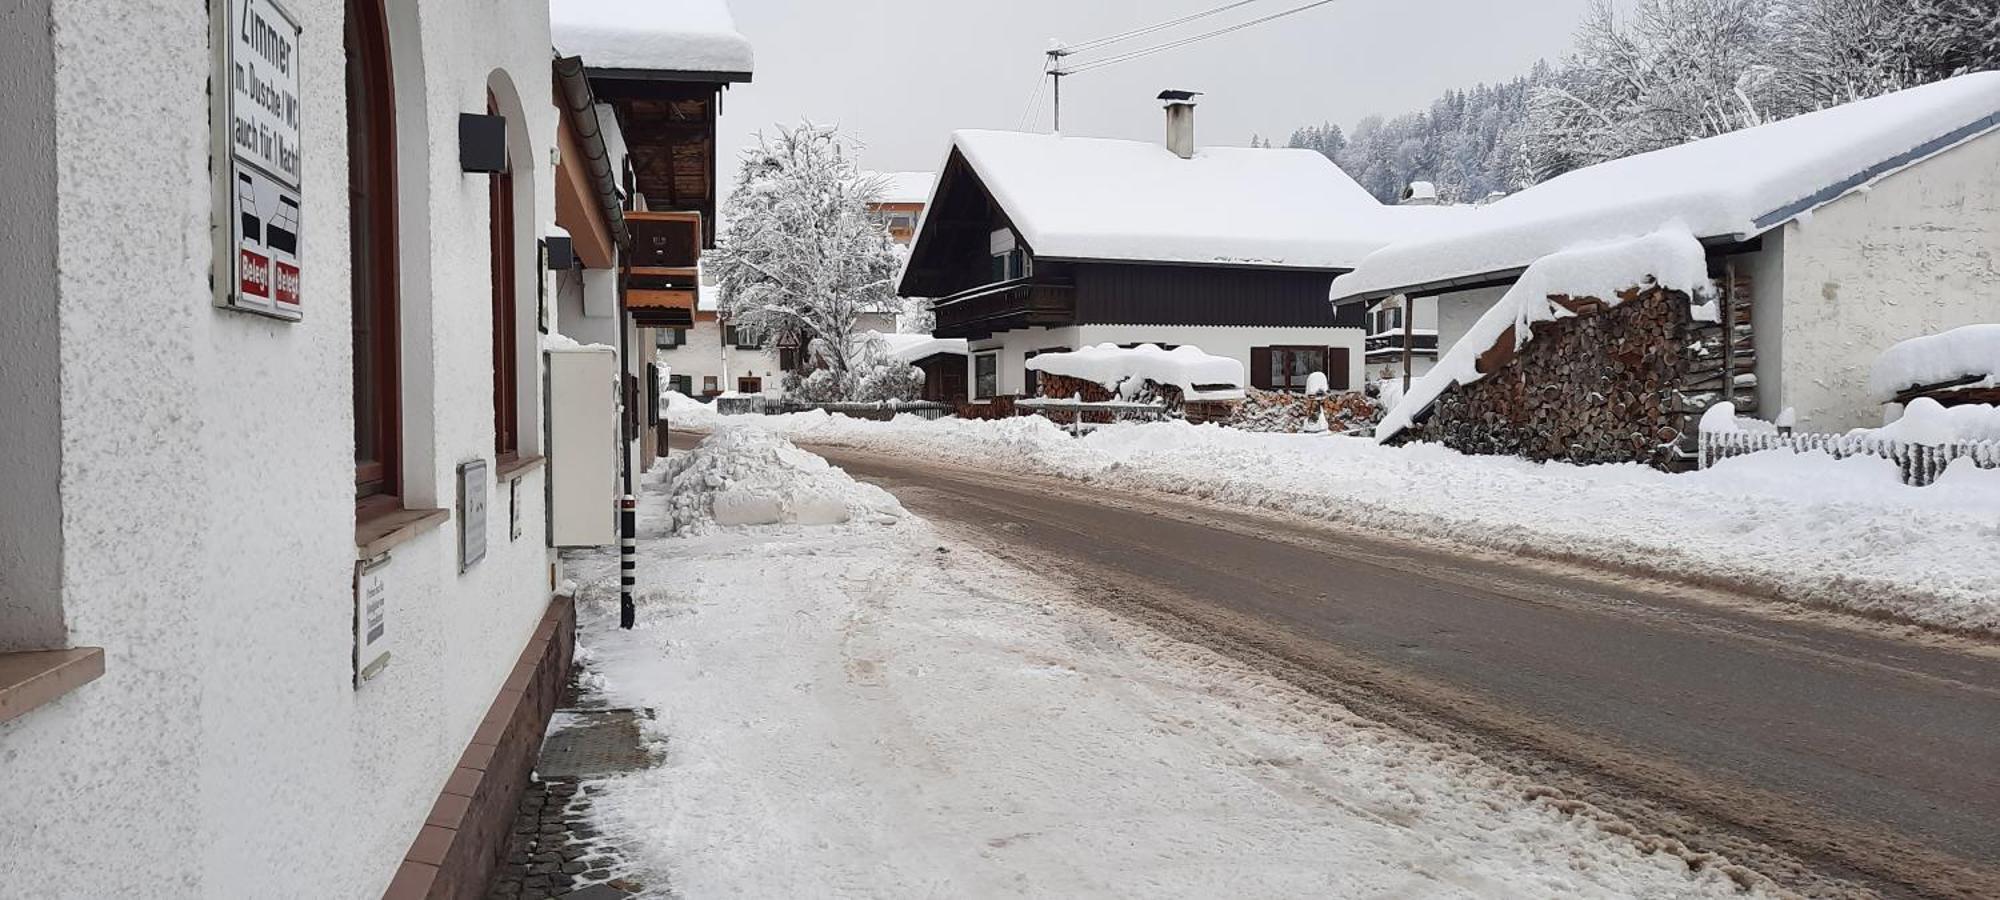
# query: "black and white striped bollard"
628,559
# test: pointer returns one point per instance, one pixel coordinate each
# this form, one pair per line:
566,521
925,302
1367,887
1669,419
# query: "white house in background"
1849,229
277,611
1394,323
1039,243
710,358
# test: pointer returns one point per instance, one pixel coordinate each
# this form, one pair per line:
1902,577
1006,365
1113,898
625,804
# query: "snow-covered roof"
905,187
1125,369
1096,198
914,347
1736,185
658,35
1969,352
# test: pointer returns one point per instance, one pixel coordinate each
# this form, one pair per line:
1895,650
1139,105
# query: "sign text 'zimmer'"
265,187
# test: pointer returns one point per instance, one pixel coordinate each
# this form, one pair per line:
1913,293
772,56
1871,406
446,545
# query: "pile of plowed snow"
749,477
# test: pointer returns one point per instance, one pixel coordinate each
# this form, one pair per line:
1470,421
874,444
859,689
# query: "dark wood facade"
952,262
668,122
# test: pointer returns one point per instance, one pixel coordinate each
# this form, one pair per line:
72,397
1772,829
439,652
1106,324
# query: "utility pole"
1056,52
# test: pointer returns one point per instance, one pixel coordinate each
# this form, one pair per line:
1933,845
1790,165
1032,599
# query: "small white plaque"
371,618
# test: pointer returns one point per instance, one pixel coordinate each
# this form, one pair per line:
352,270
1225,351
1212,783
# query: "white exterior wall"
1218,340
1917,254
704,354
207,476
1457,310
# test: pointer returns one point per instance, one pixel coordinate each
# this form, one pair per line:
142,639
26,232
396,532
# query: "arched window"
371,187
506,364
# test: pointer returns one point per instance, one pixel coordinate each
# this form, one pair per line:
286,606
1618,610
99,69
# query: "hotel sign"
264,190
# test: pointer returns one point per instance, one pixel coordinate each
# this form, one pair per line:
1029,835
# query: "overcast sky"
902,74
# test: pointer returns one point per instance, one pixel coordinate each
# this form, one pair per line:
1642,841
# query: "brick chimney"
1180,121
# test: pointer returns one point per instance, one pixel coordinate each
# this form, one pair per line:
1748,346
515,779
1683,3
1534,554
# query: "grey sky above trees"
901,74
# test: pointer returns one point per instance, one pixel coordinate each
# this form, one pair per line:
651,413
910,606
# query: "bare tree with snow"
802,258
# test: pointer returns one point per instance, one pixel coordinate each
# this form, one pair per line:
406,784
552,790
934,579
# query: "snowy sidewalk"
862,710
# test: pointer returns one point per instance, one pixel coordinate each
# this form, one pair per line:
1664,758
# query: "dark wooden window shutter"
1336,369
1260,368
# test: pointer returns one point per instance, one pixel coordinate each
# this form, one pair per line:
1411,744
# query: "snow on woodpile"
1737,184
660,35
1971,352
1127,369
747,476
1096,198
1670,258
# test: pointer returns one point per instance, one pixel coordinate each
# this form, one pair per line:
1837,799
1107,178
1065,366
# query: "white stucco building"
193,489
1852,229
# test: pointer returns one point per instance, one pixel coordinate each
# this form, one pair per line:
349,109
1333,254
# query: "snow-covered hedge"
1127,369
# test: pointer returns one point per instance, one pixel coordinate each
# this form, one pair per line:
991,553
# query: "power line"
1034,98
1141,32
1182,42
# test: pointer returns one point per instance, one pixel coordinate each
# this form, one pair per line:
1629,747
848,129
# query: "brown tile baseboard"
31,678
464,838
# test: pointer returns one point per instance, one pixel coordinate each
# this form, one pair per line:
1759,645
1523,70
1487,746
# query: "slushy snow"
879,711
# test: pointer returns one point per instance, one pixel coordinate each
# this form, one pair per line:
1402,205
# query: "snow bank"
1670,257
1095,198
1126,369
1853,537
1926,421
746,476
1737,184
661,35
1969,352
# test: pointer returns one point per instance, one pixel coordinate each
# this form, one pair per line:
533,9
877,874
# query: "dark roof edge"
1888,166
682,75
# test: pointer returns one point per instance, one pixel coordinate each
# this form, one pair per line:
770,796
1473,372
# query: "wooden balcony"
1007,305
667,242
1389,344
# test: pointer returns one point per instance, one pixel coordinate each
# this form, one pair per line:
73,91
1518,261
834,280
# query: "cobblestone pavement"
554,850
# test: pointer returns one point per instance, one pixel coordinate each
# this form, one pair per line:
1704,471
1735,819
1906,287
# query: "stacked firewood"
1288,413
1623,383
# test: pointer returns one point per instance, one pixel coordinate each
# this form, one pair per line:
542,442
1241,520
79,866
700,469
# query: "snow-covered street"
1807,528
867,709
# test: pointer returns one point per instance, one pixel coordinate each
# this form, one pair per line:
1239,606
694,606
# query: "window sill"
31,678
377,533
509,469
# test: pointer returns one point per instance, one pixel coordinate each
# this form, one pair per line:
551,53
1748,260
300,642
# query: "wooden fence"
1921,464
1085,415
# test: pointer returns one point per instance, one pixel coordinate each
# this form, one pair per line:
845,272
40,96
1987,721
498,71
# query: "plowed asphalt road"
1833,755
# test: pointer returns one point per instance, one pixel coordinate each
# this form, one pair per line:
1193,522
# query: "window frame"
506,360
984,356
374,247
1283,352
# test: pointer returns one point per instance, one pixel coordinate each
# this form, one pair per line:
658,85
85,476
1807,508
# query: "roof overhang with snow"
653,40
1726,190
1097,199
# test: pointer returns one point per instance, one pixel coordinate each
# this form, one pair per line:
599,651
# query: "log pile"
1614,383
1288,413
